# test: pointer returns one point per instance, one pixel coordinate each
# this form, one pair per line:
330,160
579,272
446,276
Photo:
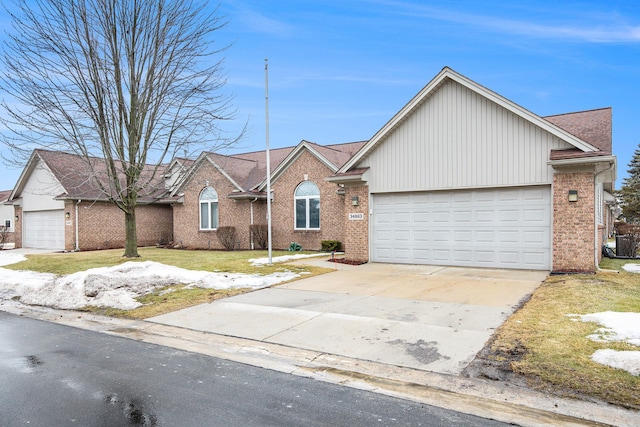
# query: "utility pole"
266,85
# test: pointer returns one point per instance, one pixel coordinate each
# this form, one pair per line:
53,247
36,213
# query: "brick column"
356,230
573,223
17,227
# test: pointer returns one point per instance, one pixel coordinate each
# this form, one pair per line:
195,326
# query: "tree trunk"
131,240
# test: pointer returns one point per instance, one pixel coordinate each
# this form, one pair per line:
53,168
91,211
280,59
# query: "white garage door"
44,230
500,228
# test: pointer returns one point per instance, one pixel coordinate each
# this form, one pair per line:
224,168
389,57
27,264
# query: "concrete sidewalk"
421,317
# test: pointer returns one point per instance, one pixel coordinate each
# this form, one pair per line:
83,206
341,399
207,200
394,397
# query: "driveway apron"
423,317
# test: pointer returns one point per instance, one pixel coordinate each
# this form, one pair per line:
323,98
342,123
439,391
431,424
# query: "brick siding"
101,225
283,210
573,223
237,213
231,213
357,231
17,226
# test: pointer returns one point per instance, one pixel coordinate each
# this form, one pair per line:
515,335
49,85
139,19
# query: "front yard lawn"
222,261
541,344
170,298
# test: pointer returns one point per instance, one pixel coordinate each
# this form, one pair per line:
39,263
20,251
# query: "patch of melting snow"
284,258
116,286
617,327
631,268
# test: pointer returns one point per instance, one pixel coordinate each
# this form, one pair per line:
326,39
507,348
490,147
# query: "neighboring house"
7,220
460,176
60,207
231,191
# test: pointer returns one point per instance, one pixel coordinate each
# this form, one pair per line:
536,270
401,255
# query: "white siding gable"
459,139
40,189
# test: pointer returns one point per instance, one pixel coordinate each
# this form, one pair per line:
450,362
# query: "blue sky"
338,70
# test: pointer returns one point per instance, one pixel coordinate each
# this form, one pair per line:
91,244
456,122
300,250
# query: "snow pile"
631,268
618,327
7,258
116,286
283,258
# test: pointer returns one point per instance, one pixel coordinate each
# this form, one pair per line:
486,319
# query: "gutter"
598,248
77,235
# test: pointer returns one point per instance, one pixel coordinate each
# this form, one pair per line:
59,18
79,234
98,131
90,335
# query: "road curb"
496,400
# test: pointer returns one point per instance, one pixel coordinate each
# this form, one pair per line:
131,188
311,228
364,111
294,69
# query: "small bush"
228,237
331,245
260,234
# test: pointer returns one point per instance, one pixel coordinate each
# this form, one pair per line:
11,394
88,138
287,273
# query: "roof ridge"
577,112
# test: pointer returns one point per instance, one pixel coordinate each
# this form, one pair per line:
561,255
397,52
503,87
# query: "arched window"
307,200
208,209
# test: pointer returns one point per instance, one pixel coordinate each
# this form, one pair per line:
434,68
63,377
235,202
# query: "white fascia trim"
292,157
583,161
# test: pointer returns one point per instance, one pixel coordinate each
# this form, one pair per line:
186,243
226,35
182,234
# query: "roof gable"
80,177
433,86
332,156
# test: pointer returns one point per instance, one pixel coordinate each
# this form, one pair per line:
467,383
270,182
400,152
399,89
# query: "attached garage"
461,176
499,228
44,229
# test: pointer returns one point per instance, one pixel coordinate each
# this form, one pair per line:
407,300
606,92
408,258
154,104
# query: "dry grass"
222,261
166,300
541,342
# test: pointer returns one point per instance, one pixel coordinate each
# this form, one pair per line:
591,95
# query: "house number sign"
356,216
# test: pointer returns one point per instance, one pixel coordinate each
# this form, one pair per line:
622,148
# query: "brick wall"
308,167
17,226
573,223
356,230
231,213
101,225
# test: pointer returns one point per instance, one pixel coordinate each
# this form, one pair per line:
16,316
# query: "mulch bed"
347,261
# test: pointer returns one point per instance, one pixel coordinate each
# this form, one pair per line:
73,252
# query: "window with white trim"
307,206
208,209
7,225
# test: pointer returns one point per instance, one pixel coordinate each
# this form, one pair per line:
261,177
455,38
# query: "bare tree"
124,84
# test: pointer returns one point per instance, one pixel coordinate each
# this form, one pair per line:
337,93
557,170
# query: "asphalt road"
54,375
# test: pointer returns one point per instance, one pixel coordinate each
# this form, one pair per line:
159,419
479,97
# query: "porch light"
67,215
17,217
573,195
355,200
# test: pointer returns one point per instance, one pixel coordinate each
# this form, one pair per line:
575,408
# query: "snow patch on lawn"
617,327
631,268
116,286
283,258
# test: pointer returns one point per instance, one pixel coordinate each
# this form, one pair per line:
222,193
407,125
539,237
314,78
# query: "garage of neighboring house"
506,228
44,229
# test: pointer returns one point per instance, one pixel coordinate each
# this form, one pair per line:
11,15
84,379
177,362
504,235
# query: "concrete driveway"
424,317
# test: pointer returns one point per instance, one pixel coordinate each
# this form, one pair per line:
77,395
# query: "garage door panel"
44,229
508,228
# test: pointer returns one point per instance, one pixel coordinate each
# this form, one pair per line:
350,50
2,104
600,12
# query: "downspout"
597,249
77,236
251,222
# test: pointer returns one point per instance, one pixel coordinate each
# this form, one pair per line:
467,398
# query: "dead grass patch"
166,300
543,344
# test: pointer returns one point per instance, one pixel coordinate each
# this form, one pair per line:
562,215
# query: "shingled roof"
248,171
79,177
592,126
